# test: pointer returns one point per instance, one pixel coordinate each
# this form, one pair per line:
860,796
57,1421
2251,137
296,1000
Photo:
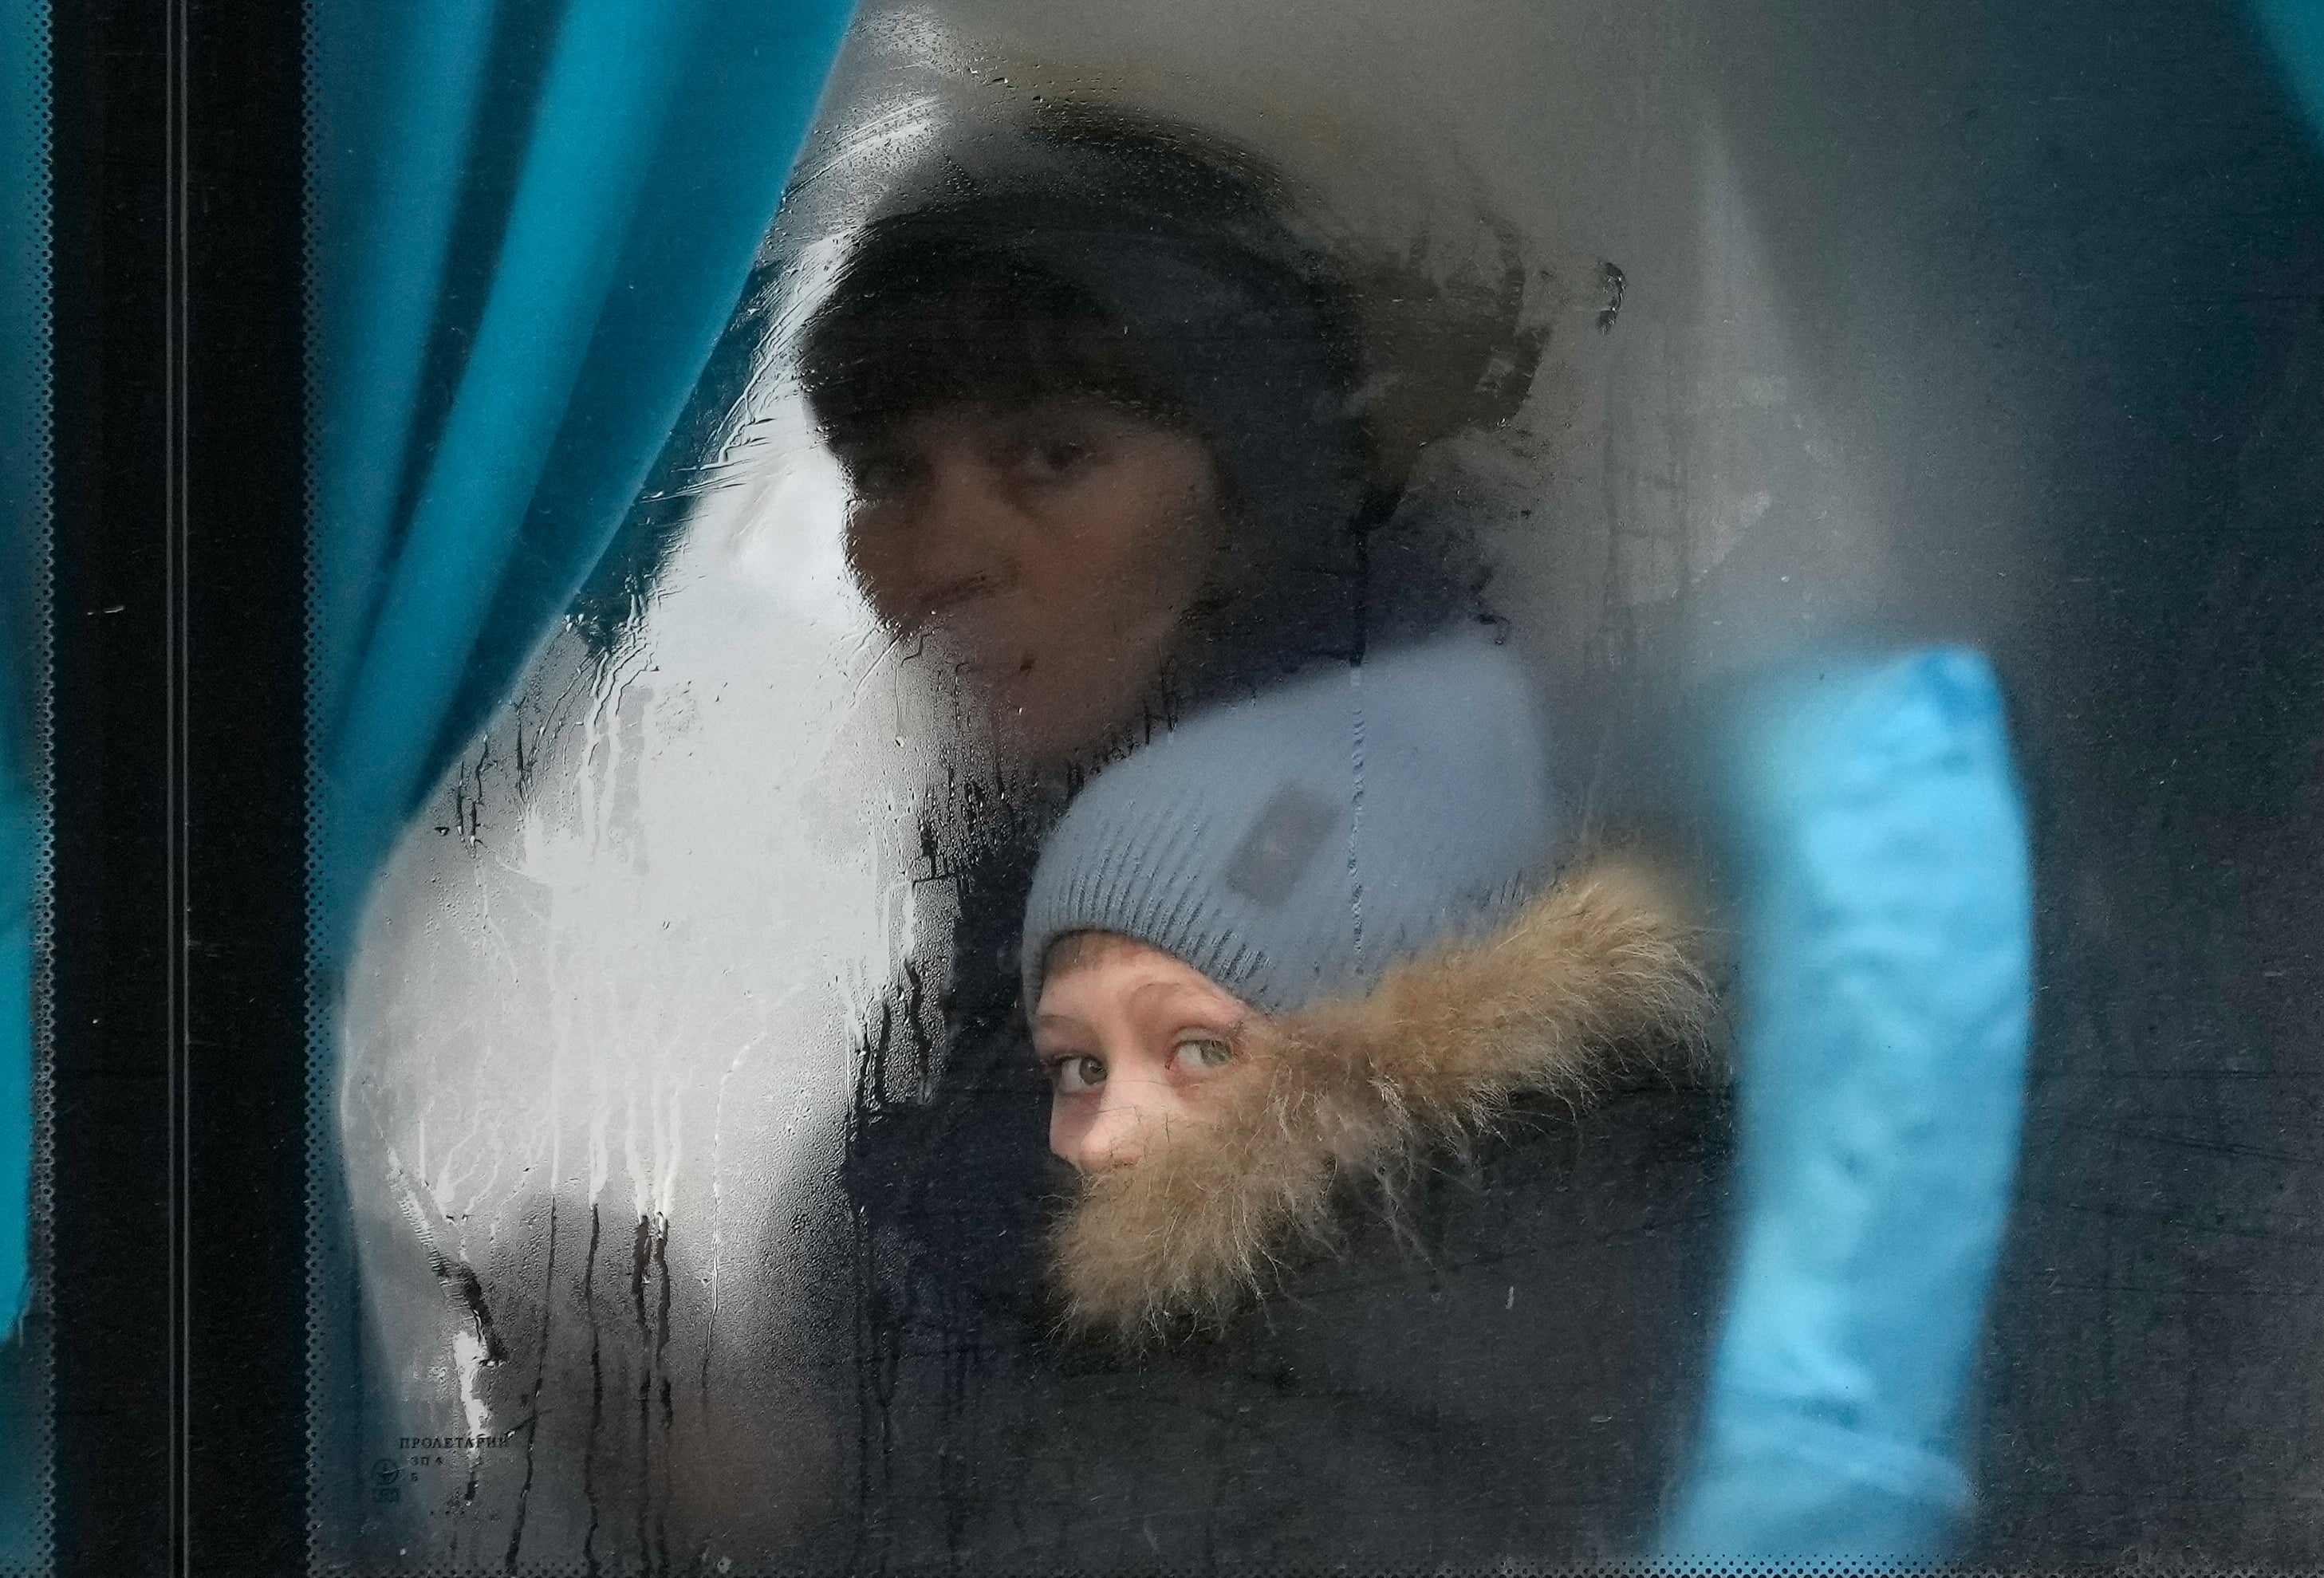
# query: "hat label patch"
1280,845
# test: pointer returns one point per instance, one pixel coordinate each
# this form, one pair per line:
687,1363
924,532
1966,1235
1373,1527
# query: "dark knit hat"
1292,846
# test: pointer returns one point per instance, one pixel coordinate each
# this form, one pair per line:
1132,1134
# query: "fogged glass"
1174,464
699,1160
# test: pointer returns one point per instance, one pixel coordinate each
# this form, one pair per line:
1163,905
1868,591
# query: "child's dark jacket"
1503,1366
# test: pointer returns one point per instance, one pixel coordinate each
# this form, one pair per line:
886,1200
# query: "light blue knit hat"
1294,845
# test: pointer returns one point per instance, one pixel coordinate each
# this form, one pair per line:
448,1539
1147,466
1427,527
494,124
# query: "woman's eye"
1072,1075
882,466
1050,458
874,480
1201,1053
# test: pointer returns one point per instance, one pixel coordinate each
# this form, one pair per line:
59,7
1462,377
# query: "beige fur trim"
1595,975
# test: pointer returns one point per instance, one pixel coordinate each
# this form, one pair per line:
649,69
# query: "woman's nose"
938,538
962,537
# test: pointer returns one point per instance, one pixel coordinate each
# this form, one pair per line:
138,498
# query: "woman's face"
1136,1043
1053,550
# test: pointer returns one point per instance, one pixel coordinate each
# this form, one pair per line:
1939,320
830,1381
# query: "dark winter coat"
1490,1345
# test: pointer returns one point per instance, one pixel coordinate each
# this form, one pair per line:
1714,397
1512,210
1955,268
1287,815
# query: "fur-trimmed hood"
1598,976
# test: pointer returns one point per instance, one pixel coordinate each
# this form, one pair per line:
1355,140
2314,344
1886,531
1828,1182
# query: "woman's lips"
995,668
955,595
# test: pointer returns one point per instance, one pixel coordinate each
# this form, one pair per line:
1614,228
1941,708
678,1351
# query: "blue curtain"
23,551
530,223
25,428
1885,1002
2296,29
1885,998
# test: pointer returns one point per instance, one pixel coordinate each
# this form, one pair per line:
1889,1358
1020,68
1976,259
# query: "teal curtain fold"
25,525
2296,29
23,550
1886,1000
530,223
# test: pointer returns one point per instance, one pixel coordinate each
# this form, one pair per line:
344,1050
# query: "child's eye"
1201,1053
1072,1075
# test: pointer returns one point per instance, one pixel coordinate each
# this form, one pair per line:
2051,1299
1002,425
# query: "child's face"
1136,1043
